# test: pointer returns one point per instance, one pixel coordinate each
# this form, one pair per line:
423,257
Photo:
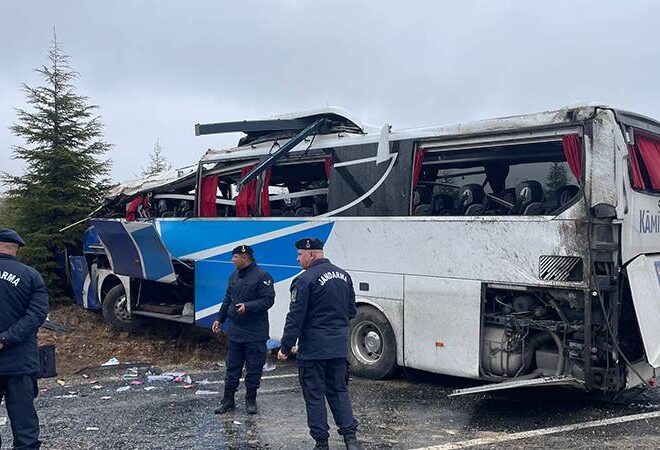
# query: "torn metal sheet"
536,382
135,250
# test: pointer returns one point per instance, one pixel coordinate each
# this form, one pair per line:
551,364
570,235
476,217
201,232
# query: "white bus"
523,250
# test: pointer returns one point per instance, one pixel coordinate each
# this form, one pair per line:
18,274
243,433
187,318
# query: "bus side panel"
442,323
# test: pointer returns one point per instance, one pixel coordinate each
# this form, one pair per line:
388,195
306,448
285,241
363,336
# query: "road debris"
111,362
203,392
123,388
91,428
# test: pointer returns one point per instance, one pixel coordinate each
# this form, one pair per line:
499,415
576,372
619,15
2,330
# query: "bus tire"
115,310
372,345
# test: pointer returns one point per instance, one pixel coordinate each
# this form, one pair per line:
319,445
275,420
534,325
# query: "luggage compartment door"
644,277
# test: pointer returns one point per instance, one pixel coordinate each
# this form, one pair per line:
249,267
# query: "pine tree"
557,177
65,176
157,162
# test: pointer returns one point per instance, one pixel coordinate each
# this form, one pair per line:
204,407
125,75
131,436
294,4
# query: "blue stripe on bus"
277,256
191,236
157,261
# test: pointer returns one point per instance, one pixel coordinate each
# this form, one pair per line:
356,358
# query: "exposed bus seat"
304,211
443,205
470,201
566,194
529,198
277,208
163,208
422,198
320,205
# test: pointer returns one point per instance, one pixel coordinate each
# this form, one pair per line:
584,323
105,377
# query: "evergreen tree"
557,177
65,176
157,162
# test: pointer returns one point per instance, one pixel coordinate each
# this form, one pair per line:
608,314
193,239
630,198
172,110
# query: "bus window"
298,189
529,179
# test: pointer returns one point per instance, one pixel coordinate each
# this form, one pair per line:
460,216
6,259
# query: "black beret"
243,250
309,244
9,235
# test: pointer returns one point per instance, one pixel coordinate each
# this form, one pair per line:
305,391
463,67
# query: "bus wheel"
372,344
115,310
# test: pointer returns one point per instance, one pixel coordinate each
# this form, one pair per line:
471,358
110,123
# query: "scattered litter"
131,374
61,382
123,388
206,381
269,367
157,378
66,396
106,397
203,392
94,382
136,382
52,326
73,393
150,388
188,386
85,376
96,387
175,374
111,362
92,429
236,422
3,421
187,379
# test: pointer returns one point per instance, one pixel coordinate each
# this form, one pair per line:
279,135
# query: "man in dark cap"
23,308
250,294
322,304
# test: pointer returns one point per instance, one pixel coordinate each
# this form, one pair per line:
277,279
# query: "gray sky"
156,68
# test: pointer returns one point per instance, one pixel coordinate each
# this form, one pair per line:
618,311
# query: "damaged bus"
521,250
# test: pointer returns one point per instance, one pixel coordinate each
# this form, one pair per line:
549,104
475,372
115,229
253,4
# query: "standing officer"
250,293
322,304
23,308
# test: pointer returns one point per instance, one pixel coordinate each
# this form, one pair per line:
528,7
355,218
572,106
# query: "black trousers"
252,355
321,380
19,392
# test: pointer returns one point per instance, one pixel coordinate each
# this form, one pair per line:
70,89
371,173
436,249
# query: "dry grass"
92,342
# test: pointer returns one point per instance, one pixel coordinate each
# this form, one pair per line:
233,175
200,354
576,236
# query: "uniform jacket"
322,304
255,288
23,309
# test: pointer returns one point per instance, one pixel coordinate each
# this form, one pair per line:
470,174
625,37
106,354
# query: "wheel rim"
367,342
121,309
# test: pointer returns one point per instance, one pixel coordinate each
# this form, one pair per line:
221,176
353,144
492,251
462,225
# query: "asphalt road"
401,413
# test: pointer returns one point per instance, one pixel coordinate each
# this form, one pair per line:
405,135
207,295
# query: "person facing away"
23,309
322,305
250,294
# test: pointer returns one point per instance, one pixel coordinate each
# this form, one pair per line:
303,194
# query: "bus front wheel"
115,310
372,344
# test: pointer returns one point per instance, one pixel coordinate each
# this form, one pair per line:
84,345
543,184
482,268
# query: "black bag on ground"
47,368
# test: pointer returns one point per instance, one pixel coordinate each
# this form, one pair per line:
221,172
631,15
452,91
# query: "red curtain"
649,150
328,167
246,202
207,196
637,179
573,151
132,208
417,166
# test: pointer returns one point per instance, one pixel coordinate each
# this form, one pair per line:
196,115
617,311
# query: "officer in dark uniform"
23,309
322,304
250,293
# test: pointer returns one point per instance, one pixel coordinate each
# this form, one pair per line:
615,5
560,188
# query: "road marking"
543,432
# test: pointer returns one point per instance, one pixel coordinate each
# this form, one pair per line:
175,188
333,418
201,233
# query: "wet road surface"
402,413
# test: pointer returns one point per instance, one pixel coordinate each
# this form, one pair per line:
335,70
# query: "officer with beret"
322,304
250,294
23,309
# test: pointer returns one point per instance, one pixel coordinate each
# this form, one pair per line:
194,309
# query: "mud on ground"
93,342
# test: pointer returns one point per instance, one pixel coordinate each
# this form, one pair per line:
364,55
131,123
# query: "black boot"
351,442
321,445
251,401
227,404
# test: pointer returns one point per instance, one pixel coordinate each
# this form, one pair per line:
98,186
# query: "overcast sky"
156,68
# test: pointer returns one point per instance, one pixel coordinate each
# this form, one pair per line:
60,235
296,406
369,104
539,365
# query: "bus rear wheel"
115,310
372,344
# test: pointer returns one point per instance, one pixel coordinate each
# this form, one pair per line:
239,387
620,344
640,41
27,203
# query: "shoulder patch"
268,282
294,294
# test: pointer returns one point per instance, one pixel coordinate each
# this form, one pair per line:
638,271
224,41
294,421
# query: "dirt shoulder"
93,342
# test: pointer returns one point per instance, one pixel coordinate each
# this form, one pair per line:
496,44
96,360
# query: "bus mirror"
383,152
604,211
